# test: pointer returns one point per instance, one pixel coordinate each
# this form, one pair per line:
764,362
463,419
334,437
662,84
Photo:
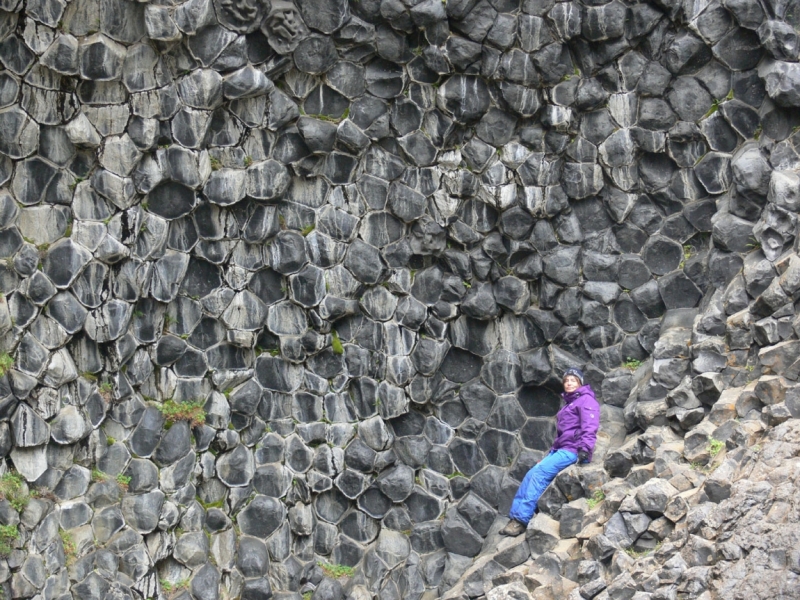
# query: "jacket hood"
584,389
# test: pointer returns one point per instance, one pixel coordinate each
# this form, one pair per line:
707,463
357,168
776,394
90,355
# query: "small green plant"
248,160
191,411
336,343
13,489
275,352
308,229
715,446
632,363
169,587
110,441
307,595
215,164
596,499
207,505
75,183
98,476
8,533
634,554
70,549
714,108
6,362
106,389
336,571
455,474
123,481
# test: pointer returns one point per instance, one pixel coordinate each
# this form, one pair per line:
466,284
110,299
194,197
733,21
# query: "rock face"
294,282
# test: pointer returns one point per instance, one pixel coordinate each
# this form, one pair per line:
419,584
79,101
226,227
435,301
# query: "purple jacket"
578,421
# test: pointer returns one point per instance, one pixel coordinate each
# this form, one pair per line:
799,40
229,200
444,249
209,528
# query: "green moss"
70,549
170,587
715,446
596,499
6,362
308,229
207,505
632,363
336,571
191,411
714,108
14,490
8,533
336,343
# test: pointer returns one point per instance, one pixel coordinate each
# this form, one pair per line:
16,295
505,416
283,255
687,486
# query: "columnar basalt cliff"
288,289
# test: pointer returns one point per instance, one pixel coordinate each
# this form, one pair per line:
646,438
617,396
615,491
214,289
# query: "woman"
576,432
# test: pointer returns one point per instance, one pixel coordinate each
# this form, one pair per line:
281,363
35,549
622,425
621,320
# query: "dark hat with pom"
575,372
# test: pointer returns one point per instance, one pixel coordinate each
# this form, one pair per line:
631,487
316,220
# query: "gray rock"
64,262
100,58
654,495
261,517
458,536
326,17
191,549
779,39
267,180
29,429
69,426
30,462
288,252
142,511
236,468
466,98
174,444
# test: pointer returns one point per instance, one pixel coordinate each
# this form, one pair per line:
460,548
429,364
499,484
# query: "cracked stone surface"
364,240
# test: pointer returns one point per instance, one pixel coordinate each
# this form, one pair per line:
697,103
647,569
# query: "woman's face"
571,383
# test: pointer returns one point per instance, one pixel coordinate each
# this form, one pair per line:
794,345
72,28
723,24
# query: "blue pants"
536,482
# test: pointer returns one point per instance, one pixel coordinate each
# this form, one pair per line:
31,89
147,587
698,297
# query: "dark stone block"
467,457
678,291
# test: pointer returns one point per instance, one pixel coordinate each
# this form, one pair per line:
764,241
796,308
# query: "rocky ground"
287,289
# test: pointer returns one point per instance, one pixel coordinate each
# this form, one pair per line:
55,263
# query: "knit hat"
575,372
